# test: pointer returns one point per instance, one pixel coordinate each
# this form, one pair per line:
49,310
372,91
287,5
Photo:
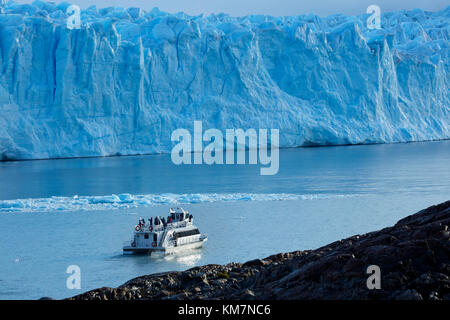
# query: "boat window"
186,233
155,237
146,236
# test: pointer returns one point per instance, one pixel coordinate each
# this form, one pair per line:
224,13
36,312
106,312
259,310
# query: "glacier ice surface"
127,78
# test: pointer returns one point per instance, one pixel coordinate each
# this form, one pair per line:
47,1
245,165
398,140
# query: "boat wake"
127,201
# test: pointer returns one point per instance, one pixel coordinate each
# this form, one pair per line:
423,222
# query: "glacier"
127,78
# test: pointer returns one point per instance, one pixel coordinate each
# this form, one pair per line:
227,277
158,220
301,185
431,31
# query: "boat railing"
146,228
169,226
177,224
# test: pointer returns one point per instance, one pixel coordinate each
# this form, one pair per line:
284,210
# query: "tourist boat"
166,235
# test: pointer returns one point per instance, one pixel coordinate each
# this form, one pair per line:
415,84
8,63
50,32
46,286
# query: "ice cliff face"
124,81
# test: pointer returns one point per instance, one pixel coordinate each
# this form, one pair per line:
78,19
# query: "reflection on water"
188,258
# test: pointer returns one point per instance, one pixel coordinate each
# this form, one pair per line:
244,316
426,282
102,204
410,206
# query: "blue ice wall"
127,78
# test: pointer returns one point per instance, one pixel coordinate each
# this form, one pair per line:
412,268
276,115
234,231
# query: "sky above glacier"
271,7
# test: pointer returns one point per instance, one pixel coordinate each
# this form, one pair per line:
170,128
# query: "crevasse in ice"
127,78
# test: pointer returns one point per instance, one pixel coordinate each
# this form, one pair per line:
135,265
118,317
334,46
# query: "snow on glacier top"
415,33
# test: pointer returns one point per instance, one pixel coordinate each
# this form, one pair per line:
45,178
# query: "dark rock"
255,263
409,294
248,294
433,296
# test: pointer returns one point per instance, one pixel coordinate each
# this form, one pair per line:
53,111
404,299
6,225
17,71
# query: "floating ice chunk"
125,201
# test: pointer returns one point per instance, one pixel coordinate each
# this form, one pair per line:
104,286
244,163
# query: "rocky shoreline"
413,257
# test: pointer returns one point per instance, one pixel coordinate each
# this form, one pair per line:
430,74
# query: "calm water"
348,190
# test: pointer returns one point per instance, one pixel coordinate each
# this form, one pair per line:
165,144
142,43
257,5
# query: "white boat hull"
164,250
